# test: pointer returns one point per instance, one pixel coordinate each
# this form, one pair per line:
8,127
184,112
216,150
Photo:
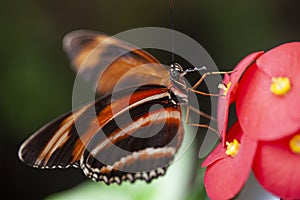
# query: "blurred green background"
36,80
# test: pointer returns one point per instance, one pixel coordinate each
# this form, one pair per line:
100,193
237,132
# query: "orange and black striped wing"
132,134
139,141
110,63
55,145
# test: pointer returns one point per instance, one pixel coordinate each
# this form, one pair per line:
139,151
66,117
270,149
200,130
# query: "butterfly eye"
176,67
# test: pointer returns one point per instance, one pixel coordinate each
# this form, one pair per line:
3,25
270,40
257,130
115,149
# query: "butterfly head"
179,87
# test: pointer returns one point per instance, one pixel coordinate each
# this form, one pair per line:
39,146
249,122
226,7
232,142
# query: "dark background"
36,81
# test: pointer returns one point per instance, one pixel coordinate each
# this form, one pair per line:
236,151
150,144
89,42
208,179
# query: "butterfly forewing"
132,134
110,63
57,144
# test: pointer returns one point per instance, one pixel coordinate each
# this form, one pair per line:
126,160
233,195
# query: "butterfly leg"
193,88
206,74
188,108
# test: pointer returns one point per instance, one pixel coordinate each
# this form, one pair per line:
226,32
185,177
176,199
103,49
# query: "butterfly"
129,133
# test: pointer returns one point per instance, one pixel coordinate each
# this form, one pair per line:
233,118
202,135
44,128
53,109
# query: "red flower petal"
219,151
284,61
217,154
224,102
223,110
224,177
261,114
243,65
277,168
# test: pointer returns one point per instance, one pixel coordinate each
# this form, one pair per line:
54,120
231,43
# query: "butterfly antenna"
171,3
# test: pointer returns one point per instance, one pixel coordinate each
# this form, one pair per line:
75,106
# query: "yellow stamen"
295,144
225,87
232,148
280,85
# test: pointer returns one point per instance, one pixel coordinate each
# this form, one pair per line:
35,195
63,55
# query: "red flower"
266,89
262,114
231,83
226,174
276,166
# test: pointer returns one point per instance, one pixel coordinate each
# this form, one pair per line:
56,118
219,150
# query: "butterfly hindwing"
140,147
